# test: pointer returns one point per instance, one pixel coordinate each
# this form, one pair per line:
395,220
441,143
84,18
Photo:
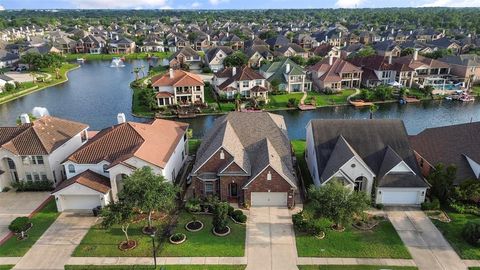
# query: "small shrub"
193,205
206,70
433,205
299,222
43,185
465,208
379,206
292,102
239,216
177,237
6,189
231,210
20,224
471,233
220,216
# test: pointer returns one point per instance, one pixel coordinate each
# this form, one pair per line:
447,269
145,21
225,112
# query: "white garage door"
80,202
269,199
399,197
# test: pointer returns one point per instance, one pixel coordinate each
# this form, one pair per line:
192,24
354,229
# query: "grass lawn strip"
382,242
299,148
354,267
6,267
101,242
453,233
41,222
149,267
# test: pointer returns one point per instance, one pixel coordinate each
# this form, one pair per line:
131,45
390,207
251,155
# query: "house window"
245,84
84,136
222,155
33,160
40,160
43,176
421,162
105,168
71,168
258,82
29,176
208,187
25,160
36,176
269,176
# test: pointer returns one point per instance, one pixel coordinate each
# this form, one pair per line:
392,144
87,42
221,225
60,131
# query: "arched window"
105,168
71,168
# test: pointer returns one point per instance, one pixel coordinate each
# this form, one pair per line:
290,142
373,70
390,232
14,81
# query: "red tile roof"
89,179
180,78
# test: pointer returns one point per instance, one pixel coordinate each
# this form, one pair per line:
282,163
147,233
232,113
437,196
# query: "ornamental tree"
118,213
338,203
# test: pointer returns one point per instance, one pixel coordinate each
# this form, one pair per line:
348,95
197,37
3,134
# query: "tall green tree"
441,179
149,192
235,59
338,202
118,213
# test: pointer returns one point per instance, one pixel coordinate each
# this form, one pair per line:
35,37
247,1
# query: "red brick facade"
277,184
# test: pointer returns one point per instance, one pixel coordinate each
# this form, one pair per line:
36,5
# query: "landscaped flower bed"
177,238
194,226
224,232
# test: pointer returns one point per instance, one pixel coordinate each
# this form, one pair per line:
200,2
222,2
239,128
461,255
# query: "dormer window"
71,168
222,154
269,176
105,168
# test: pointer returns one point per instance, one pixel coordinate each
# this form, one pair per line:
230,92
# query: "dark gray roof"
376,142
341,153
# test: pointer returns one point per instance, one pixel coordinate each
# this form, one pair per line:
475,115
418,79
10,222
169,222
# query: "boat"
80,60
448,98
360,103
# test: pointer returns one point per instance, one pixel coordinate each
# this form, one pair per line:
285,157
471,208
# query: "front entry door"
233,190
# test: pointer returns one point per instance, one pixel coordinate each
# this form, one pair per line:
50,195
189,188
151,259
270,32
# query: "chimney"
116,37
208,38
339,34
121,118
287,68
253,36
330,60
234,71
171,73
24,118
393,31
390,59
344,44
415,55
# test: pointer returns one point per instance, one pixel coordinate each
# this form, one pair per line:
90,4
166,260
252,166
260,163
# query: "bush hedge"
43,185
433,205
239,216
20,224
471,232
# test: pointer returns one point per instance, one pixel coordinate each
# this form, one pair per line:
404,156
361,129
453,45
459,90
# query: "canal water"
96,93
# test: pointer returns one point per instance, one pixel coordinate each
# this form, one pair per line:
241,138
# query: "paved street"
56,245
270,239
17,204
427,245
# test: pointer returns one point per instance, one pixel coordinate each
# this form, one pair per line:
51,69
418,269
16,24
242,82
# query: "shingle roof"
332,73
242,74
152,142
89,179
252,138
180,78
369,139
450,145
41,137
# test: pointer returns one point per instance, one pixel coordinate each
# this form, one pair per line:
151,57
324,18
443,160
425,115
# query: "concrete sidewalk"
353,261
9,260
160,260
426,244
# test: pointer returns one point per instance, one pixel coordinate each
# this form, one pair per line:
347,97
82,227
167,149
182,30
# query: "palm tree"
137,70
373,108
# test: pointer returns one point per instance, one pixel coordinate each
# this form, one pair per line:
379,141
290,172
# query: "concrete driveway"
16,204
426,244
270,239
57,244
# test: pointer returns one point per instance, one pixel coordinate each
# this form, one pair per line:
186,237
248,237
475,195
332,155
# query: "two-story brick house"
240,80
178,87
335,74
246,158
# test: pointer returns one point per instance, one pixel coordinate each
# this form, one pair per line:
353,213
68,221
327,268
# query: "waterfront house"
335,74
464,68
178,87
246,158
185,57
289,76
358,153
121,45
215,56
377,70
240,80
34,150
96,171
91,44
455,145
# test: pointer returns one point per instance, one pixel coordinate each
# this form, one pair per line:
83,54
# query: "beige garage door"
80,202
269,198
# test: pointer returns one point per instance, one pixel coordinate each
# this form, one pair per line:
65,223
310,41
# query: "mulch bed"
149,231
225,232
194,226
125,246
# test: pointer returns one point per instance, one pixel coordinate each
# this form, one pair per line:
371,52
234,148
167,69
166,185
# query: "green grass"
141,55
354,267
281,101
138,108
299,149
41,221
382,242
453,232
193,145
6,267
476,90
101,242
209,95
148,267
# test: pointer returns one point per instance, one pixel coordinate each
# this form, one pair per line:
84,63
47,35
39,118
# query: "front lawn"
193,145
354,267
101,242
148,267
6,267
281,101
41,222
453,233
382,242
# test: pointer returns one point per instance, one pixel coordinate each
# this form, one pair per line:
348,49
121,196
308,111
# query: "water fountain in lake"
117,62
38,112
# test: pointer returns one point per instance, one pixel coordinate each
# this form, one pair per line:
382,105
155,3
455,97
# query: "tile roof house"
96,171
178,87
246,158
34,150
377,70
456,144
290,76
465,67
240,80
355,152
185,56
335,74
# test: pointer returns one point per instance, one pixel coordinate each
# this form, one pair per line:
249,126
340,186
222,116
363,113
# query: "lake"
96,93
